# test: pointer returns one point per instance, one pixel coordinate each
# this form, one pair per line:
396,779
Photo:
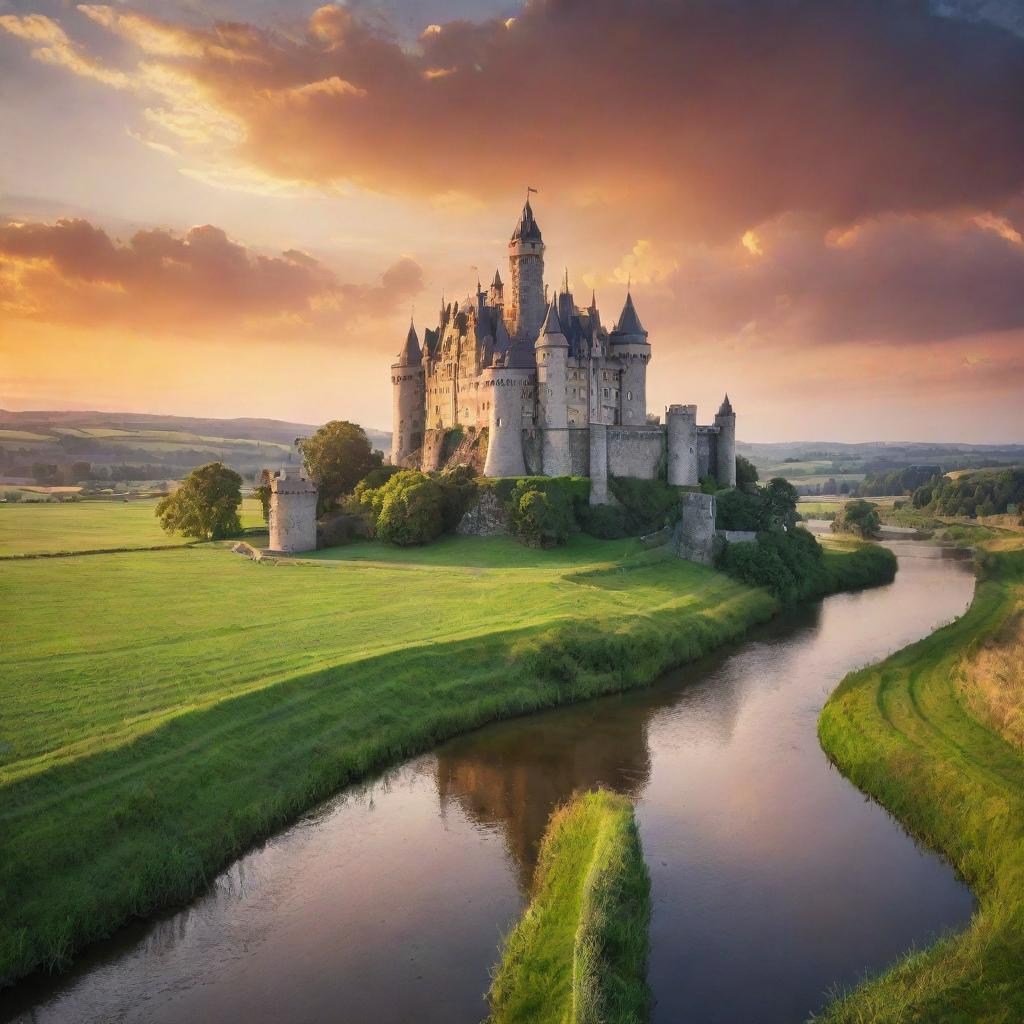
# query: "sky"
234,207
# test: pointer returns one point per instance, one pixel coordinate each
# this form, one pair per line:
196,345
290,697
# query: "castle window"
606,389
629,396
497,422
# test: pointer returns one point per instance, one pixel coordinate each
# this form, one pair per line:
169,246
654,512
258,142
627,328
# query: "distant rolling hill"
167,445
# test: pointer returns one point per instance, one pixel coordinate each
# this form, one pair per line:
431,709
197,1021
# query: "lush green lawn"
37,528
902,732
579,953
164,709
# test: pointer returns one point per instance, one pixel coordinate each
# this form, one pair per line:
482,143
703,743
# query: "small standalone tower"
292,513
552,350
408,411
725,420
681,429
524,304
629,343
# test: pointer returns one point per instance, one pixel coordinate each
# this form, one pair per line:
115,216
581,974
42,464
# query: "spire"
410,354
629,322
527,230
725,409
551,323
496,283
566,287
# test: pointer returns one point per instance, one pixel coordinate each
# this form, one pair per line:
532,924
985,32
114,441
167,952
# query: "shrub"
12,496
411,509
541,518
858,517
458,489
647,505
606,522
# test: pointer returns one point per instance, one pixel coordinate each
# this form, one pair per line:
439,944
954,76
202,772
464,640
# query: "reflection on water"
773,879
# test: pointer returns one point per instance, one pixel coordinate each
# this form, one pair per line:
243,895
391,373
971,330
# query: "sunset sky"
231,208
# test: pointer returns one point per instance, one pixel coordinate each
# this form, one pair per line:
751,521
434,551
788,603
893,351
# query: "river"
773,879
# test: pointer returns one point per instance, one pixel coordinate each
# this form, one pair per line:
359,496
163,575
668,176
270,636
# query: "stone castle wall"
635,451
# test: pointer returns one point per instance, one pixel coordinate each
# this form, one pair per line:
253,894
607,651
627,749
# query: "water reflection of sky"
772,877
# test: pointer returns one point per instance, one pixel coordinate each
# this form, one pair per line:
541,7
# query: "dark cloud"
705,115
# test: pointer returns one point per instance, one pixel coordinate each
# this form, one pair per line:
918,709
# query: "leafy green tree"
746,473
782,498
337,457
858,517
205,506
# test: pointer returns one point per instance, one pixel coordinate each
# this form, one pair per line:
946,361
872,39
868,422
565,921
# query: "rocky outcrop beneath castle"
457,446
486,517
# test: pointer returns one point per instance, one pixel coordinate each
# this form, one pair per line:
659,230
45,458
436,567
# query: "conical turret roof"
629,322
725,409
551,333
496,283
410,354
527,230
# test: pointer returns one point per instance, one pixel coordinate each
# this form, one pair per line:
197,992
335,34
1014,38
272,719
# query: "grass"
579,953
905,733
78,526
164,710
992,685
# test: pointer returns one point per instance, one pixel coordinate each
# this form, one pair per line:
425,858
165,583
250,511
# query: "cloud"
898,280
703,116
73,272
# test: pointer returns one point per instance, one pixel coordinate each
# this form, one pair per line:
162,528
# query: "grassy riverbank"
163,710
912,733
579,953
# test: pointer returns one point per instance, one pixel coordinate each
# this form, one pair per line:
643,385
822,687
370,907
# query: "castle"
558,393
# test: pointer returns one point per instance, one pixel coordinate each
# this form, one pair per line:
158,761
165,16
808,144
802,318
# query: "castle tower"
725,420
552,351
681,430
525,305
292,513
504,384
408,409
628,342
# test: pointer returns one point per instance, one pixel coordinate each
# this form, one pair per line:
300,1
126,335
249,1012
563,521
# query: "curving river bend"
773,879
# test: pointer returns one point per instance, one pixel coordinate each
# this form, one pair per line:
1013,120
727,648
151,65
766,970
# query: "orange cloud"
73,272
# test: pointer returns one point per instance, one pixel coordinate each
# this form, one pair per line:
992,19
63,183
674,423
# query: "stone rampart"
635,451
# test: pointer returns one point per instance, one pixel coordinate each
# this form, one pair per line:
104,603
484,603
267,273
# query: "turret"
525,304
725,420
408,410
292,512
681,431
497,294
552,351
628,343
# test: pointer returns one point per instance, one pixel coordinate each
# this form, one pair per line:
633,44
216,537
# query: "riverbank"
130,772
579,953
901,732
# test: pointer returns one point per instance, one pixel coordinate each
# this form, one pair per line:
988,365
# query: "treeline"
896,481
973,494
53,474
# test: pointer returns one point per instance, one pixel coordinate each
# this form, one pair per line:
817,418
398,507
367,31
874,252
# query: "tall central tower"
525,307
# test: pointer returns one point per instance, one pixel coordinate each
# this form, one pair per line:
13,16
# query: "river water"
773,879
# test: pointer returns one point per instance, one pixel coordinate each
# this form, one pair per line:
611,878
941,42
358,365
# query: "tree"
262,492
859,517
337,457
746,473
205,506
782,500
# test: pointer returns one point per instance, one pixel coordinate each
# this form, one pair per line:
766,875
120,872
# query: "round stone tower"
629,344
552,351
408,410
292,513
524,301
681,431
504,386
725,420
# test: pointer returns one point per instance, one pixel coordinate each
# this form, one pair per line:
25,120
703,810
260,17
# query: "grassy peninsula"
165,709
579,953
933,734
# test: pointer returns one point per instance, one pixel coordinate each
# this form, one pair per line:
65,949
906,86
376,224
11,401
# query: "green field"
903,733
164,709
49,527
579,953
